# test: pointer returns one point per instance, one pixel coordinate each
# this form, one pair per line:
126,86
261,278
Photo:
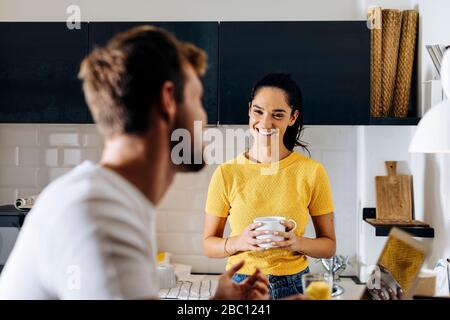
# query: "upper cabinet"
330,60
39,63
203,34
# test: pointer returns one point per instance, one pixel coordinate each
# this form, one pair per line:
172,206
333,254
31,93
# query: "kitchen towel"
442,278
374,18
390,28
405,63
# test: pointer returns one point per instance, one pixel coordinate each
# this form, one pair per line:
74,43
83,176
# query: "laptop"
396,273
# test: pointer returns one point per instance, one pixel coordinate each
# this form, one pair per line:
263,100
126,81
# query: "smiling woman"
280,98
241,191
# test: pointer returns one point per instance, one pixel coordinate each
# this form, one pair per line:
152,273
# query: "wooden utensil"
393,195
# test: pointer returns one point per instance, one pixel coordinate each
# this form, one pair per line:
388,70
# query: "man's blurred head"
128,82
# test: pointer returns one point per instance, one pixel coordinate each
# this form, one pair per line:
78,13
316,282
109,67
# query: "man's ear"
293,118
168,106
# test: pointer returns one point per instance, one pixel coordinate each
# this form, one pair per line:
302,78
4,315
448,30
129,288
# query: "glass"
317,286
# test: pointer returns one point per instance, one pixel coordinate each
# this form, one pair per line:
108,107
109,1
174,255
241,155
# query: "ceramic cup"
272,224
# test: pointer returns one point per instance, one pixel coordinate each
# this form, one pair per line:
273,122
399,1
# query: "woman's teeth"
266,132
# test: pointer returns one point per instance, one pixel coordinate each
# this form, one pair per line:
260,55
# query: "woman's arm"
323,246
213,242
215,246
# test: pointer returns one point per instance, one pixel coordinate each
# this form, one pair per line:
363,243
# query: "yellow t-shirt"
241,190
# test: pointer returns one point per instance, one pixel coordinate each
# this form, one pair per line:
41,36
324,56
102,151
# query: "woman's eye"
278,116
257,111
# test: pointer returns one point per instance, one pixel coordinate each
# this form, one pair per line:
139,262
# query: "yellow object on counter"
318,290
163,257
160,257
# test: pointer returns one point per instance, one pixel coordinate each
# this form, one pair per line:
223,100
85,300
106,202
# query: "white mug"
272,224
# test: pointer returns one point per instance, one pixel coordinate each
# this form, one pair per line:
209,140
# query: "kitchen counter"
352,290
201,286
191,287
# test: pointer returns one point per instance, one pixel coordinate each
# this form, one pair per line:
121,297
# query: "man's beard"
196,163
194,167
193,162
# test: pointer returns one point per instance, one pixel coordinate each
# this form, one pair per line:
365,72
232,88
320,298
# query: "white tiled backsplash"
33,155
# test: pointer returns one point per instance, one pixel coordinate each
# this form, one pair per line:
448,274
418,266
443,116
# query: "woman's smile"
267,132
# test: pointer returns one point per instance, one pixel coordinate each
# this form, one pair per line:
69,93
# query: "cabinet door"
39,64
203,34
330,60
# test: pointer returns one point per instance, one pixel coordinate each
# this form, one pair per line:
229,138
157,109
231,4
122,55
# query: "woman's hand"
247,240
291,241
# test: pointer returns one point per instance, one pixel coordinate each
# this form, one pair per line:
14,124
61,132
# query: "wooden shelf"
394,121
383,231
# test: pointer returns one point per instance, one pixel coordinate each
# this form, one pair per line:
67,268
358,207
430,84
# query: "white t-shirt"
90,235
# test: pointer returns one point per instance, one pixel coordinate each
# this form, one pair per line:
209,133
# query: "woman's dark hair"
293,95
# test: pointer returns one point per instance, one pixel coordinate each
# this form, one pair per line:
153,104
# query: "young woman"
294,187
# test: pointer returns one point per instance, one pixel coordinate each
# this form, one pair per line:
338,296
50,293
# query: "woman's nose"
267,122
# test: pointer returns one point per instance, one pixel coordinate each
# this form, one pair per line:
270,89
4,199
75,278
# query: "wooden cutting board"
393,195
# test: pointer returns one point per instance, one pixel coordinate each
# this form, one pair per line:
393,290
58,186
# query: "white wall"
362,5
431,173
434,26
336,148
431,186
378,144
180,10
433,29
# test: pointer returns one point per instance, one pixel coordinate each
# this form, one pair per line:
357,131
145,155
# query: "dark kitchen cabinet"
203,34
39,63
330,60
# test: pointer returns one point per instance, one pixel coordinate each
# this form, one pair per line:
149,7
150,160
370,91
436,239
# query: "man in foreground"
91,233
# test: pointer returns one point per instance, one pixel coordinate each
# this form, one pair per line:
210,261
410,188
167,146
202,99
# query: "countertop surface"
352,291
201,286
